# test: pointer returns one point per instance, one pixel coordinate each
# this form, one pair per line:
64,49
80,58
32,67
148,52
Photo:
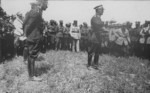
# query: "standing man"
33,30
67,41
95,39
18,32
76,35
84,35
59,36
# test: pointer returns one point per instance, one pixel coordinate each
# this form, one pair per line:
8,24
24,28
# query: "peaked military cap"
34,3
99,7
42,1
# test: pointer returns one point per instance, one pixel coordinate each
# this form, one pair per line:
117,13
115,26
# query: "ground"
66,72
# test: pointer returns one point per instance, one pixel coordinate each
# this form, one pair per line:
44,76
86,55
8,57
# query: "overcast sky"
80,10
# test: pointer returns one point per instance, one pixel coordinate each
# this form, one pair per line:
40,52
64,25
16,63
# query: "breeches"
33,48
93,51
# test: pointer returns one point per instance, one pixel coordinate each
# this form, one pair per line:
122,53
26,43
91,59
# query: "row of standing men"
75,38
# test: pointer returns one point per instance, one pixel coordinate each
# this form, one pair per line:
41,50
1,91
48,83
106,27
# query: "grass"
66,72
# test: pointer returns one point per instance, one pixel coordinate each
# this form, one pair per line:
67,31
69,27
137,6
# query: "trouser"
16,45
34,49
83,44
93,51
75,45
147,51
59,44
1,57
135,48
25,51
66,42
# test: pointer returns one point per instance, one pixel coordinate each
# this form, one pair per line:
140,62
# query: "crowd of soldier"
123,39
69,37
119,38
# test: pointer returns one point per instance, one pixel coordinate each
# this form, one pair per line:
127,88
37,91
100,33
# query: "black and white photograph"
74,46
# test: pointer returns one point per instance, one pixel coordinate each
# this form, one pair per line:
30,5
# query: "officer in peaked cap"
95,39
43,3
99,9
33,27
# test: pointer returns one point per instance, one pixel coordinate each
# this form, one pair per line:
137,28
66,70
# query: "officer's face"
100,11
44,6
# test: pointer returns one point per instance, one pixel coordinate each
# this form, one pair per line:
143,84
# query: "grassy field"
66,72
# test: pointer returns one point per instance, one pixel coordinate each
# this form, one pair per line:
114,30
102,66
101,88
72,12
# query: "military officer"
32,27
94,47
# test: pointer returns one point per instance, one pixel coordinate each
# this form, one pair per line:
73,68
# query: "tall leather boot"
89,59
31,63
25,54
96,58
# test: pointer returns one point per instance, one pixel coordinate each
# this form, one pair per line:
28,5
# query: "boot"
96,58
25,54
89,60
31,63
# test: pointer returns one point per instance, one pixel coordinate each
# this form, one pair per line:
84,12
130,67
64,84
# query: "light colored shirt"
75,32
122,38
18,26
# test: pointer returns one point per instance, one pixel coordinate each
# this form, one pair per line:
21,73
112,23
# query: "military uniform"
33,31
122,41
95,40
67,41
84,37
59,36
135,35
142,41
0,43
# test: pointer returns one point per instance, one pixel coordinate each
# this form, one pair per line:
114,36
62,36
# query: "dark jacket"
96,25
32,26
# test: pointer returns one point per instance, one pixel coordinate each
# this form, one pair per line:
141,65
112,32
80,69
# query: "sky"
80,10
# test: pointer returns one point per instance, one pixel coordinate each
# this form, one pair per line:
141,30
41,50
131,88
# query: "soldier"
135,35
147,49
143,38
84,34
145,33
76,35
33,31
18,32
94,47
1,39
26,51
59,36
123,40
67,41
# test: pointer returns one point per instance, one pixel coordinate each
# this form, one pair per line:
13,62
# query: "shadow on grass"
40,58
43,68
